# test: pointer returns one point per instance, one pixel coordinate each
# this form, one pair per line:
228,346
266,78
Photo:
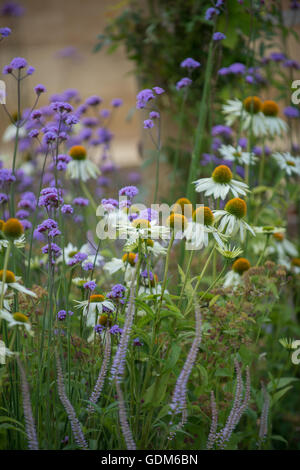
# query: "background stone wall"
57,38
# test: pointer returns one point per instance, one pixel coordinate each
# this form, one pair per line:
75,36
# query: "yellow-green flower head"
222,174
78,152
141,223
20,317
270,108
102,320
236,207
129,258
241,265
279,237
94,298
9,277
296,262
177,222
252,104
183,206
13,228
203,215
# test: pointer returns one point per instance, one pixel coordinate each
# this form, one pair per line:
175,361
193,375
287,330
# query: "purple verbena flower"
18,63
158,90
218,36
5,32
291,112
67,209
61,315
93,100
81,201
39,89
117,102
190,63
143,97
129,191
210,13
90,285
148,124
184,82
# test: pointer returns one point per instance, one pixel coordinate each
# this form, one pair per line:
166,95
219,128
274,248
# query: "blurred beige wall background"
57,38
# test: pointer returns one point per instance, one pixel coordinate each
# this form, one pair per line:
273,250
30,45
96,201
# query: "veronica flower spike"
231,220
220,184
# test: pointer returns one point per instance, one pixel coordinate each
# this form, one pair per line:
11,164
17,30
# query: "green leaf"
278,395
282,382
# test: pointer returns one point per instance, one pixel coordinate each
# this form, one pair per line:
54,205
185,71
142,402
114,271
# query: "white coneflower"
283,247
199,228
80,167
126,264
11,131
237,154
295,265
19,242
94,307
234,277
231,220
16,319
229,253
249,112
268,229
148,245
274,124
289,164
11,282
141,229
220,184
68,253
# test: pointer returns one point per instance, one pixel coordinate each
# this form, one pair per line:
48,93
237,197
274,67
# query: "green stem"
200,125
6,259
263,252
